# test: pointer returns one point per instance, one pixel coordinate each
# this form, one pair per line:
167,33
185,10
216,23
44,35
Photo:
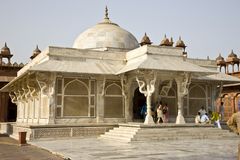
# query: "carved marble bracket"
183,83
26,91
125,85
46,82
165,89
13,97
219,91
101,88
146,83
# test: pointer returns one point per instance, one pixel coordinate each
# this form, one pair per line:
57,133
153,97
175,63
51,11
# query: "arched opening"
12,111
237,103
227,104
113,102
138,100
197,99
170,100
76,102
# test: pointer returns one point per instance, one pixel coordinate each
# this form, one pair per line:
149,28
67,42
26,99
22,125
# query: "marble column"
51,97
46,82
100,100
147,88
126,84
183,82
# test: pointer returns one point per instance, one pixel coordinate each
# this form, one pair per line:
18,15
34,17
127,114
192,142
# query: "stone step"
115,138
183,135
120,134
182,132
155,133
127,128
178,138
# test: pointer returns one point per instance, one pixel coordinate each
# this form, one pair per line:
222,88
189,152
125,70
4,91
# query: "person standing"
160,113
144,110
221,110
165,113
215,117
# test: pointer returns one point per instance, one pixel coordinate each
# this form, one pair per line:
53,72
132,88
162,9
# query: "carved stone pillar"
51,95
126,83
147,87
100,100
183,82
46,83
156,92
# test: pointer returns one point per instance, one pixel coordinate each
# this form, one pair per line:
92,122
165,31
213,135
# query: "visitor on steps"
144,111
202,111
160,113
215,118
221,110
165,113
205,119
234,122
198,118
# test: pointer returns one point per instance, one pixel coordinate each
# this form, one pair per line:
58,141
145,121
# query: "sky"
208,27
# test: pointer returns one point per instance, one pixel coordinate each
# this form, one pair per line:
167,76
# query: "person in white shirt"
204,119
198,118
202,111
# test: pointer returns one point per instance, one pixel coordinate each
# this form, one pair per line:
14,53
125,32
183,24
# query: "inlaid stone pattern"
52,132
90,131
68,132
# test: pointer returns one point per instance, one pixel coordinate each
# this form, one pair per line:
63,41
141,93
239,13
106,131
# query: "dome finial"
106,13
165,41
106,19
36,52
145,40
180,43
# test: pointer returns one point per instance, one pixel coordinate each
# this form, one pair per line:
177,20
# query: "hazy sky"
208,27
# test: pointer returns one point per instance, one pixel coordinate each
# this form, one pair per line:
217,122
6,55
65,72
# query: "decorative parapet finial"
145,40
36,52
106,13
180,43
165,41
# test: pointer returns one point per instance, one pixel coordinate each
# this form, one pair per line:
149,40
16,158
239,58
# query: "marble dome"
106,34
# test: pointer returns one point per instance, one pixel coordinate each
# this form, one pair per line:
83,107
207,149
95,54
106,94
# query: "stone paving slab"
93,148
10,150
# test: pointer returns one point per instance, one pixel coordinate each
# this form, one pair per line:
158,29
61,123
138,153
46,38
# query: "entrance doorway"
138,101
12,111
8,110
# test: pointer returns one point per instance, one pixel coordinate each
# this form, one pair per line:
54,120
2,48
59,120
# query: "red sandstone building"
230,94
8,71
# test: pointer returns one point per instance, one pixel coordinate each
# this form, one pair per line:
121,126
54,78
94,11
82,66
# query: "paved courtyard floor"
10,150
93,148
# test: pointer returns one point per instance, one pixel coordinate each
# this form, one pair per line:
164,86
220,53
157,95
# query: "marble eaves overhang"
116,62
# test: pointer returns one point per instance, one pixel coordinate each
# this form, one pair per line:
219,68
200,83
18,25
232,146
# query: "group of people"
159,113
207,118
162,113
